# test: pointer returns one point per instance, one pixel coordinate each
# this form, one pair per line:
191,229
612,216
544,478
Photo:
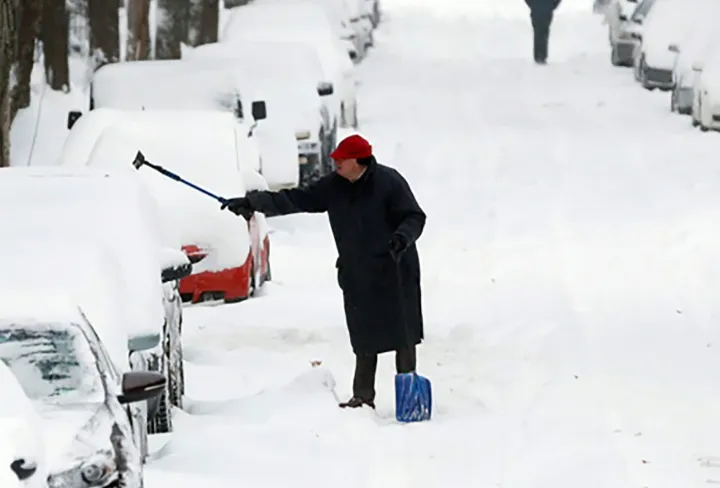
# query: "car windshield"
52,362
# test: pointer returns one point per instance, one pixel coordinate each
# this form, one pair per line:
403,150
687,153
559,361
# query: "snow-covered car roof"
271,57
81,138
669,21
262,77
201,148
64,202
301,23
165,84
84,274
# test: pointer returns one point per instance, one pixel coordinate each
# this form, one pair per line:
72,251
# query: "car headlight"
97,471
302,135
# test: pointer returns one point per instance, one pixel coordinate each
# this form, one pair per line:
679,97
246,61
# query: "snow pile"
200,148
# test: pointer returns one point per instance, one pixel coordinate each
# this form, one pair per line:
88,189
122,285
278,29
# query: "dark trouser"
541,34
366,366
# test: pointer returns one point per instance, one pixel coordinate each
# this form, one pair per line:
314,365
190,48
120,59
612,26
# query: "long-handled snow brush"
413,393
140,161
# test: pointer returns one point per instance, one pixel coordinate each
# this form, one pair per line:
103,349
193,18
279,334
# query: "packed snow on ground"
570,281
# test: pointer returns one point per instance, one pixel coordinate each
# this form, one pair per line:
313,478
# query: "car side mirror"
324,89
174,273
673,48
259,110
138,386
622,18
73,117
697,67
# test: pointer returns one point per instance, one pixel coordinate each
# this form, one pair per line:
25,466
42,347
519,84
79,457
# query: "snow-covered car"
301,23
114,209
706,87
665,28
22,446
692,52
84,402
285,76
230,260
372,9
617,15
174,85
84,266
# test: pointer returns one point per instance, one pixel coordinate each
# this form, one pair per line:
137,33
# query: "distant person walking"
541,15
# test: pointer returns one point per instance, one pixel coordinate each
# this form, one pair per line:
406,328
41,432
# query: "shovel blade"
413,398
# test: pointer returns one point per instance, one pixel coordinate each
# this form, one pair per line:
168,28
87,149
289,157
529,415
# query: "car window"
52,362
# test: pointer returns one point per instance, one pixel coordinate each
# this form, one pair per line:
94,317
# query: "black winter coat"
363,217
542,6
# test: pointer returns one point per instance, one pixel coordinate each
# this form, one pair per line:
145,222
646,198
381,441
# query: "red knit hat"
352,147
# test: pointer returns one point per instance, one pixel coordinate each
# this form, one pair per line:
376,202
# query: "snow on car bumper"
230,284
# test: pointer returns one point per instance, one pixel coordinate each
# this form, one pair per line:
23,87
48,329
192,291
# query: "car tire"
643,77
161,423
673,101
614,55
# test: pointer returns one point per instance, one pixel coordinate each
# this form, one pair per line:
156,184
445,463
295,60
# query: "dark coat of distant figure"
541,15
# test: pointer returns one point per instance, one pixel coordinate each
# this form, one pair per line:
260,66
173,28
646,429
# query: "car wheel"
673,101
356,123
161,423
343,119
614,55
268,274
643,77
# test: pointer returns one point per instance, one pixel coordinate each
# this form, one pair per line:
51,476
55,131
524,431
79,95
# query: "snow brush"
140,161
413,393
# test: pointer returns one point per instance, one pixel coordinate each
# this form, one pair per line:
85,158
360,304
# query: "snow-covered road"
570,271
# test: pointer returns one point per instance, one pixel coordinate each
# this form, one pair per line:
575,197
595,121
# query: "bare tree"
173,17
8,37
54,35
30,12
104,31
209,22
138,38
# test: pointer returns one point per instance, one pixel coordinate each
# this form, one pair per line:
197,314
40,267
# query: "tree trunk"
8,39
28,32
54,34
209,22
138,38
104,32
172,27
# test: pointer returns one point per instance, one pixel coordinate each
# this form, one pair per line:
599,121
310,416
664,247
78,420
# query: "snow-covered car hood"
659,57
73,432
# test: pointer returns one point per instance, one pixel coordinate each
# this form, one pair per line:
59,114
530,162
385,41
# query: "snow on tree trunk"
138,35
8,39
172,27
54,35
104,31
28,32
208,23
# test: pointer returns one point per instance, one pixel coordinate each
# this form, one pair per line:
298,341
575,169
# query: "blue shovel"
413,393
140,161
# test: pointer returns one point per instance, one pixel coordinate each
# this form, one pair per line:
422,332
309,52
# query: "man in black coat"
541,15
375,221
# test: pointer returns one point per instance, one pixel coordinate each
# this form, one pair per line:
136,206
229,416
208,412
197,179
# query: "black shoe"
356,402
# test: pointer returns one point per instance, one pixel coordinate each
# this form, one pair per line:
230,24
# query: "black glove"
239,206
397,245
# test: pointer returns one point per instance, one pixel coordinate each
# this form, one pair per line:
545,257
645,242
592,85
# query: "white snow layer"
570,279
